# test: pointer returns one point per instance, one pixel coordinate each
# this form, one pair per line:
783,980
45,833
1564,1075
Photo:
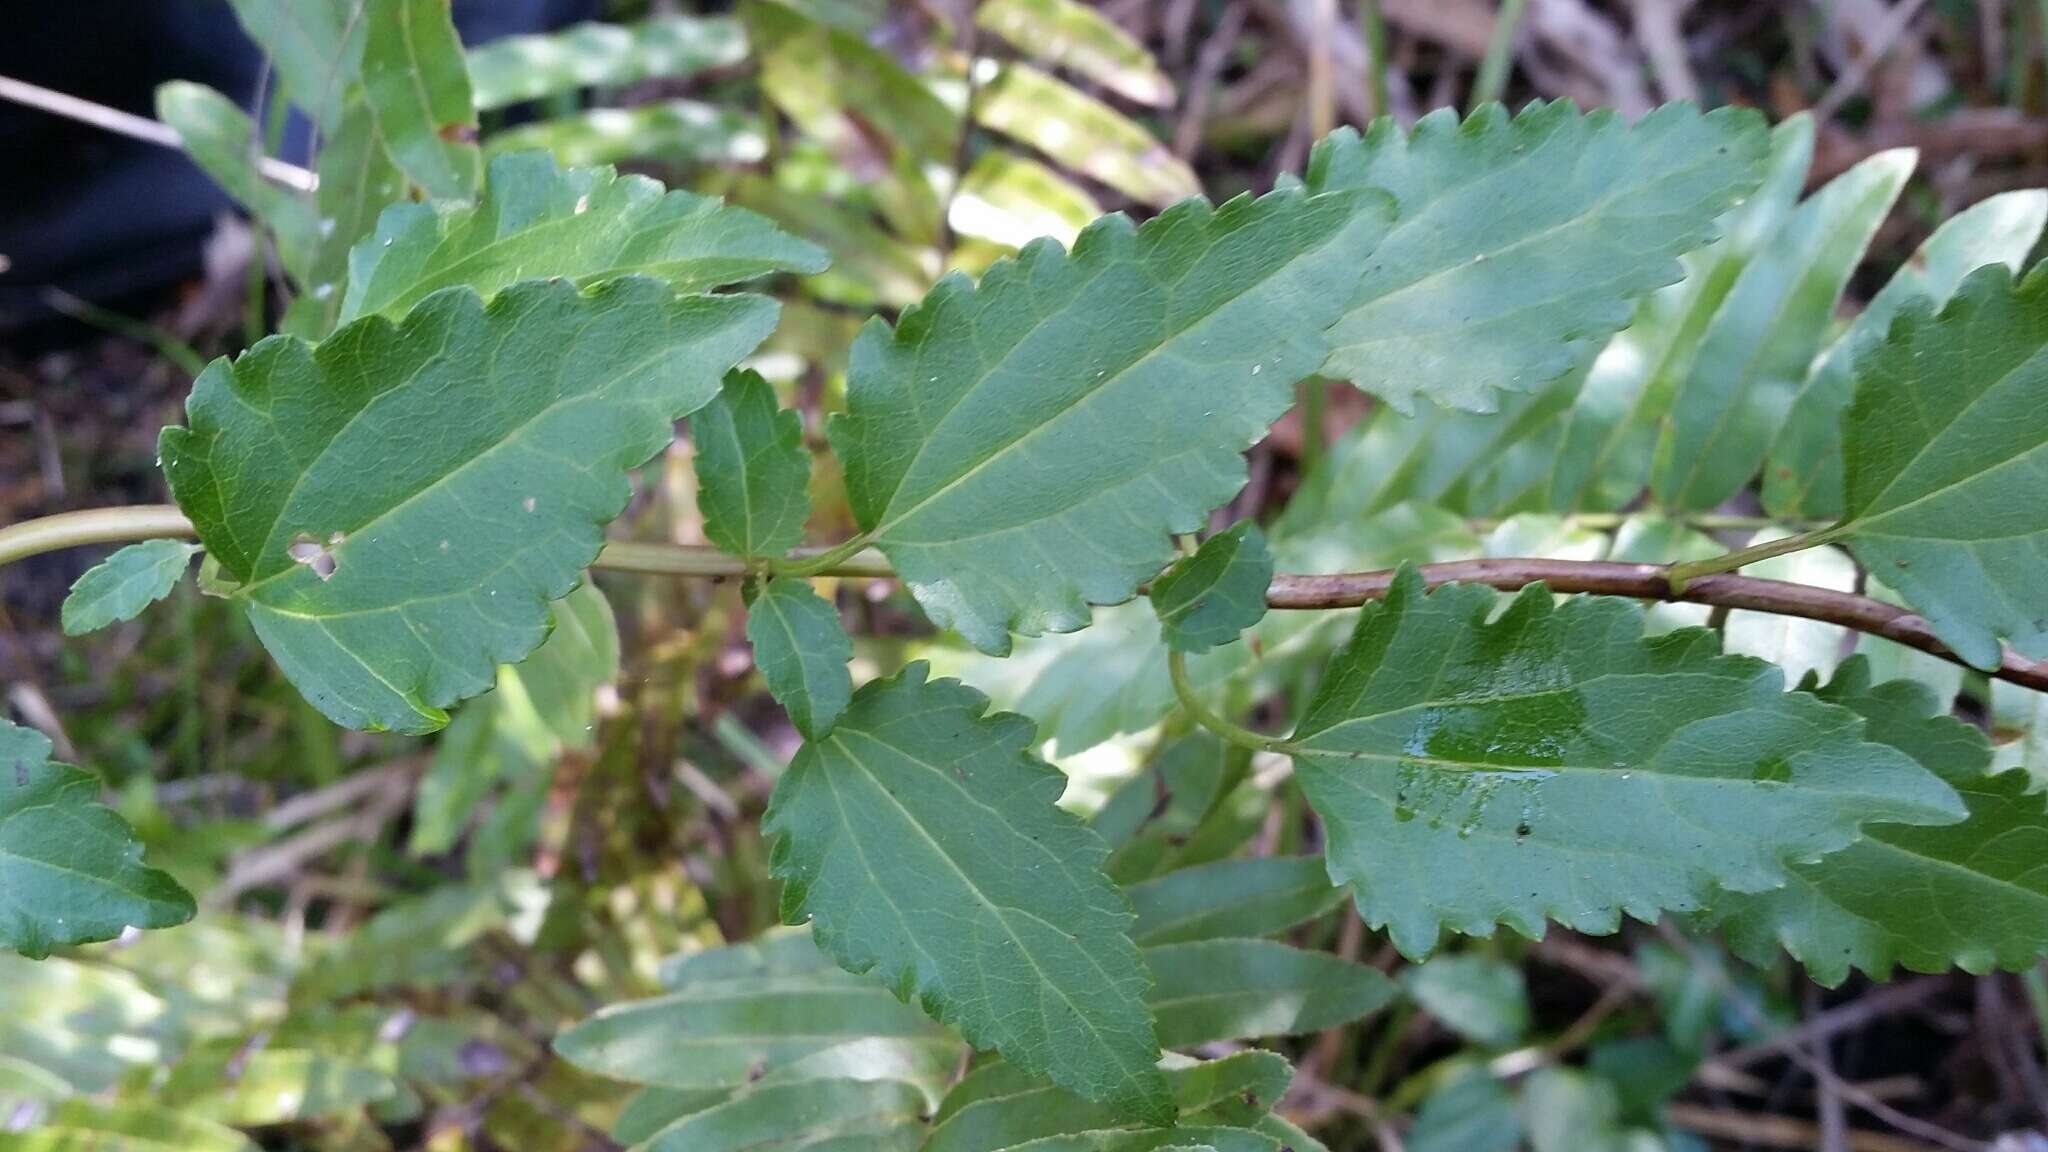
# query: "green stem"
1200,713
1374,27
823,562
1682,574
1500,53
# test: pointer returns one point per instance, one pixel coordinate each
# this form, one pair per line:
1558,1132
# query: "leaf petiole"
1682,574
1202,714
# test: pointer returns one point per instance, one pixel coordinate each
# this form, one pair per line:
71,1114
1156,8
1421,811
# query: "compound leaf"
1973,894
922,841
1215,990
539,220
1551,762
1211,597
1006,444
802,651
70,871
753,472
1077,37
1765,335
122,585
1083,134
1522,242
1945,491
417,86
515,69
399,504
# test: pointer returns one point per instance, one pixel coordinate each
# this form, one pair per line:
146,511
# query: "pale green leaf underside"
1211,597
922,841
1261,896
316,46
1973,894
1522,242
807,1116
538,220
1005,444
1946,464
222,140
1764,337
70,871
753,471
122,585
1210,991
399,505
802,651
1554,764
417,86
999,1106
1479,997
519,68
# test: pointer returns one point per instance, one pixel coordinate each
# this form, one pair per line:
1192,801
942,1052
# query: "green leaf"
399,504
1478,997
1005,444
515,69
316,47
221,139
122,585
1083,134
1950,507
1521,243
1010,200
1258,897
1473,1112
652,1109
779,952
540,708
1211,597
1185,1138
227,1084
728,1033
1803,478
357,181
1608,442
1765,335
70,871
417,85
1971,895
1476,767
1081,40
802,651
812,1116
1214,990
815,74
922,841
581,224
999,1106
673,131
753,471
79,1125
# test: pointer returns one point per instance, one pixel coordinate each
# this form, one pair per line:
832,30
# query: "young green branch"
1669,583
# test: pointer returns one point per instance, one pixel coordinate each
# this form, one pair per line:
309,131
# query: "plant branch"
1287,591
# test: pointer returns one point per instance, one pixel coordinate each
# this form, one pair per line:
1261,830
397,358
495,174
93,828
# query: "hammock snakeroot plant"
401,490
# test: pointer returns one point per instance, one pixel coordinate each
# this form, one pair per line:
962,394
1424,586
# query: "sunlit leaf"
1764,337
398,505
1011,200
1522,242
70,870
1476,767
222,140
674,131
583,225
921,840
316,47
1945,497
1004,445
518,68
122,585
1082,40
1082,134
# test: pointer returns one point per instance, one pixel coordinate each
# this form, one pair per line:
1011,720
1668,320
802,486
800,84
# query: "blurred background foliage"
550,926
